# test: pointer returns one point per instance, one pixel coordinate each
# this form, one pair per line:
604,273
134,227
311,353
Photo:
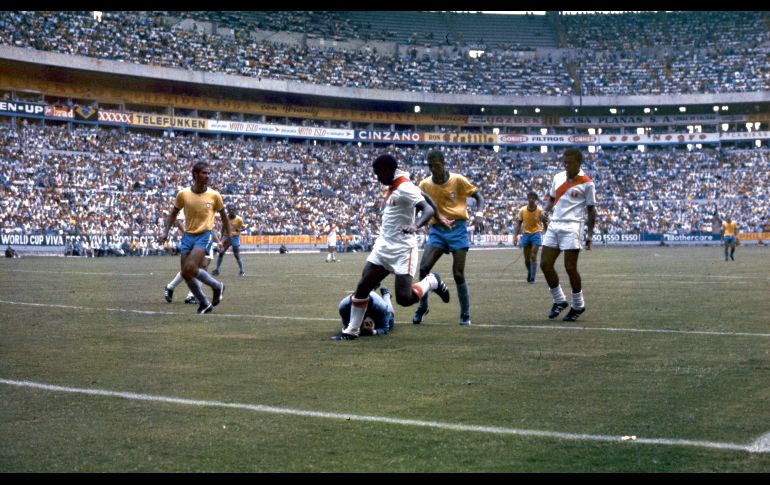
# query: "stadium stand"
65,178
83,181
710,65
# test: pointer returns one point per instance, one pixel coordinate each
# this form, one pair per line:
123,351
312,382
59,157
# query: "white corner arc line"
758,446
323,319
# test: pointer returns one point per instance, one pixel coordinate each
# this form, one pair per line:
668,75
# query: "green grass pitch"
673,350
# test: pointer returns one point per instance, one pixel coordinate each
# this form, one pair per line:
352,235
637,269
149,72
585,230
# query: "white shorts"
563,235
331,242
398,261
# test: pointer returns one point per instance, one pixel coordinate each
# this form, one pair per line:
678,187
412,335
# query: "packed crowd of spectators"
96,181
685,30
605,62
140,39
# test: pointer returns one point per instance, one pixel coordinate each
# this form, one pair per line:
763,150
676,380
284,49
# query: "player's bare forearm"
170,219
426,213
590,222
479,201
225,223
442,220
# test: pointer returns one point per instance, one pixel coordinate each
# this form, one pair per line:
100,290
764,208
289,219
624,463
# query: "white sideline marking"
759,446
76,272
149,312
762,445
635,330
322,319
696,277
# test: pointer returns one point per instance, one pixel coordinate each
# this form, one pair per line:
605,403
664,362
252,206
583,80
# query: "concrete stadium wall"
156,73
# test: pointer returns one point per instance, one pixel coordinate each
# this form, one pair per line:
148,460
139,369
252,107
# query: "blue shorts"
235,241
449,240
531,239
729,239
202,240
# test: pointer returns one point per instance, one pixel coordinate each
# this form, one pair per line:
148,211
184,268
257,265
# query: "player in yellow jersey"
168,291
234,240
730,236
449,229
200,203
530,219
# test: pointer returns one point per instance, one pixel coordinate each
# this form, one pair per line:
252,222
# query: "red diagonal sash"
580,179
400,180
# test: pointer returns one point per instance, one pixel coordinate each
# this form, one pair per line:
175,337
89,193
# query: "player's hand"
545,217
162,238
411,229
589,243
445,222
516,240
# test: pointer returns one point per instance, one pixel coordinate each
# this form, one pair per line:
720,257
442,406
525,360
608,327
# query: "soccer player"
730,236
449,229
379,317
168,291
395,250
530,219
234,240
200,204
331,241
572,199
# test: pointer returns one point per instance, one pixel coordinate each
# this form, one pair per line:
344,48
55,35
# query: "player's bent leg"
237,255
578,304
547,262
429,258
533,263
371,277
571,267
463,292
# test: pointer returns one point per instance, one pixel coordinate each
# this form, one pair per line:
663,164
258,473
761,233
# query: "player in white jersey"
395,250
331,242
571,201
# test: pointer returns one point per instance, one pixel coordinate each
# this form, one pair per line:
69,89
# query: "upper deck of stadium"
416,57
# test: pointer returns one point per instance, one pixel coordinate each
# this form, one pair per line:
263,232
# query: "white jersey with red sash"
331,235
571,197
399,204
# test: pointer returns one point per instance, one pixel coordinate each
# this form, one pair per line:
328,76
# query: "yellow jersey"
199,209
531,222
235,226
729,228
450,197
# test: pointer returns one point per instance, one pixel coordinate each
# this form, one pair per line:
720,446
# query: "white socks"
558,295
577,300
175,282
428,283
357,311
